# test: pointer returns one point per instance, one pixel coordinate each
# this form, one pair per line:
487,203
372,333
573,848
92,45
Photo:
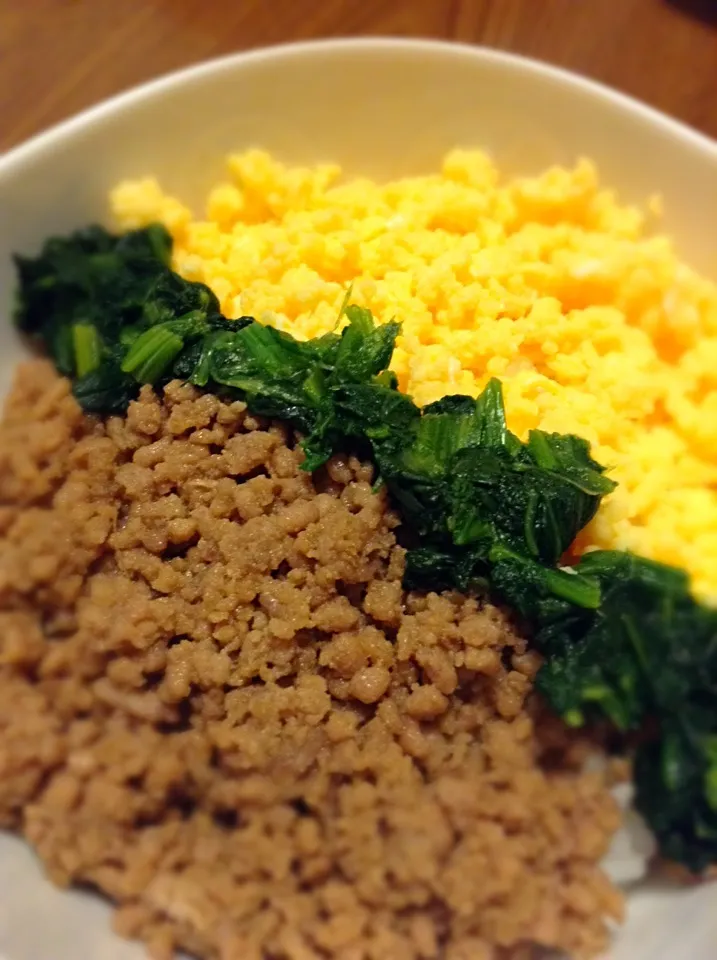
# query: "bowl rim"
48,138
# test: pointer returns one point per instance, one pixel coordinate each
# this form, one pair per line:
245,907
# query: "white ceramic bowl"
381,108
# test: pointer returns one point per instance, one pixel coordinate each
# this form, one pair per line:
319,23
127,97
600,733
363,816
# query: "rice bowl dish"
358,561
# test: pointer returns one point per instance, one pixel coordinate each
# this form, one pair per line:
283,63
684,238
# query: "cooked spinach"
647,656
334,388
475,493
113,315
622,637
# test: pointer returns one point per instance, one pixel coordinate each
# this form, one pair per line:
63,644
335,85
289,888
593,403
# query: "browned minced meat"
218,705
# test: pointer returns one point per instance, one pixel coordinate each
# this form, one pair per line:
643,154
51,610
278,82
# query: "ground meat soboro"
218,705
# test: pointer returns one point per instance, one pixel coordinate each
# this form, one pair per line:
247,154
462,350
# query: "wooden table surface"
58,56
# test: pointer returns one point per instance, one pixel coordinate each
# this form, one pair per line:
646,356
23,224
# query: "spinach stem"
86,347
152,354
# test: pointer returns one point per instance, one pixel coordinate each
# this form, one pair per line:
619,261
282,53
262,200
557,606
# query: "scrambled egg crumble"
549,283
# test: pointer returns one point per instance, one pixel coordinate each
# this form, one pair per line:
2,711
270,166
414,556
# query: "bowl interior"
382,109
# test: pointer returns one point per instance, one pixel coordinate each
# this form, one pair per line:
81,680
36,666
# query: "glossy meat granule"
219,707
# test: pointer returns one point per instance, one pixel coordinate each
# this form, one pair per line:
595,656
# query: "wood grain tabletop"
59,56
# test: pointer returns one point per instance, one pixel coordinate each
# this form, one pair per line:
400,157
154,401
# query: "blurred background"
59,56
